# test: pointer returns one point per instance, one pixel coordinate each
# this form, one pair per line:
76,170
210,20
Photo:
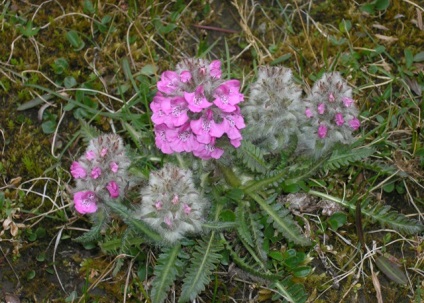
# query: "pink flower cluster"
332,107
100,173
194,107
339,118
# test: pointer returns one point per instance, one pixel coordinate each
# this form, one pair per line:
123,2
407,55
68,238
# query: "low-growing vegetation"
211,151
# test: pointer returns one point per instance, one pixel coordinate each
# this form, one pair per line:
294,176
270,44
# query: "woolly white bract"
171,204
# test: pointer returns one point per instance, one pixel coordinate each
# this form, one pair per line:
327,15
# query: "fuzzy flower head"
331,113
171,204
101,171
192,108
275,109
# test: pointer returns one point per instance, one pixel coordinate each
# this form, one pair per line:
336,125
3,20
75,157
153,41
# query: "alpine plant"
195,108
273,113
100,174
331,113
171,205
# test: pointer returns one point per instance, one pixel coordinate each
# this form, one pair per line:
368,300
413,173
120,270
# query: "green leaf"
204,260
35,102
75,40
345,26
166,271
419,57
381,5
281,219
302,271
49,126
380,213
149,70
341,158
88,7
290,291
28,30
337,220
391,270
409,58
252,156
69,82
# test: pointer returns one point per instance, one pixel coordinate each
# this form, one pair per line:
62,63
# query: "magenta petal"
114,167
347,101
308,113
215,69
169,82
197,100
185,76
96,172
322,131
85,202
354,123
90,155
339,119
113,189
321,108
77,171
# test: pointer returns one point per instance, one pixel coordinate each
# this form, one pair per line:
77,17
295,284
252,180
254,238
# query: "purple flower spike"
113,189
322,131
77,171
85,202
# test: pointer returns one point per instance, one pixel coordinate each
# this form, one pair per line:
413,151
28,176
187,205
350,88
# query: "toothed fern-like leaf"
281,219
290,291
379,213
344,157
137,225
252,156
167,268
205,259
89,132
250,266
99,221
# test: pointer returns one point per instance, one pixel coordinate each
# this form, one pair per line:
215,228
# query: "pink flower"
169,82
339,119
354,123
103,152
185,76
231,125
96,172
113,167
158,205
347,101
331,97
85,202
77,171
168,221
182,139
202,127
208,151
113,189
90,155
227,95
322,131
215,69
308,113
160,138
197,100
187,209
321,108
175,200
